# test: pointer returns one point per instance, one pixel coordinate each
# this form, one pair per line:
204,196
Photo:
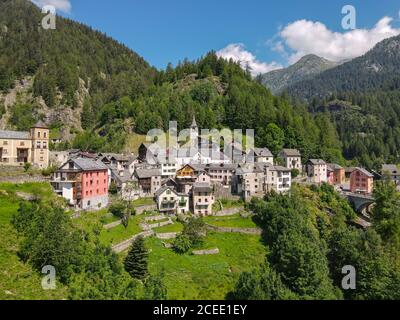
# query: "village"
190,183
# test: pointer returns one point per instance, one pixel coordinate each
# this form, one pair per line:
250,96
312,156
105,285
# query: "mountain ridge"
308,66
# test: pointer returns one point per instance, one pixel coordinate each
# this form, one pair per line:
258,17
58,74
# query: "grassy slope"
206,277
235,221
16,277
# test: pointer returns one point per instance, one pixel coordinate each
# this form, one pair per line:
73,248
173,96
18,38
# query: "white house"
171,202
291,159
317,171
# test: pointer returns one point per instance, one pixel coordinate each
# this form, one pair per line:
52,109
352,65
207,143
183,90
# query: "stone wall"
205,252
254,231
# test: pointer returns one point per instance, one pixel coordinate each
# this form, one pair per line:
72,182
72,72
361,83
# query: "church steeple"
194,123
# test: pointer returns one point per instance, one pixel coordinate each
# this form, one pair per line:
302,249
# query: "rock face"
308,66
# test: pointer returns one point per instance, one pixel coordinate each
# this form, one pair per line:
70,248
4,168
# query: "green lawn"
235,221
143,202
19,280
119,233
206,277
176,227
227,204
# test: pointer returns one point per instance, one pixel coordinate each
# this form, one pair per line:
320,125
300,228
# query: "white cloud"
62,5
238,53
304,37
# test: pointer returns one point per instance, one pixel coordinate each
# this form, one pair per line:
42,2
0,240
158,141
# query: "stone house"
392,171
361,181
149,181
336,174
291,159
169,201
317,171
202,198
83,182
18,148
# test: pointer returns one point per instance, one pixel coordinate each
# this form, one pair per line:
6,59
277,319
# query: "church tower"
40,145
194,133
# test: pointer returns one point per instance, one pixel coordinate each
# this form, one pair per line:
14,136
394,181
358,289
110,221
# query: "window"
38,144
5,143
44,145
45,134
22,143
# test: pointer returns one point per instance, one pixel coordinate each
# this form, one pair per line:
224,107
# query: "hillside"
308,66
378,69
97,94
63,68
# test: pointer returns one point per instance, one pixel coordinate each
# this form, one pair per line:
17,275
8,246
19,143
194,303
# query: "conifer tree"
136,260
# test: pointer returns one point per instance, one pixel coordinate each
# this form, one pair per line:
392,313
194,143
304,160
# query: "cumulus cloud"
238,53
62,5
304,37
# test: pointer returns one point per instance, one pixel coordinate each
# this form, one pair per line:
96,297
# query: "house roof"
391,169
316,161
147,173
280,168
291,152
364,171
4,134
262,152
202,187
163,189
87,164
334,166
41,125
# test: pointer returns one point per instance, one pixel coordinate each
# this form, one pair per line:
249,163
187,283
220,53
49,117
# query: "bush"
182,244
118,209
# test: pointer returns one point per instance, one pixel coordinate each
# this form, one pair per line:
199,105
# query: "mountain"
308,66
378,69
97,94
61,68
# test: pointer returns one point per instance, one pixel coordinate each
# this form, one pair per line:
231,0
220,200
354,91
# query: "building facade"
18,148
361,181
317,171
83,182
291,159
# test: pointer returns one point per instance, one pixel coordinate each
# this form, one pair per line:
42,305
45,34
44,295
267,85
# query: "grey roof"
262,152
40,124
164,188
223,166
334,166
202,187
4,134
391,169
364,171
280,168
291,152
251,168
148,173
317,161
87,164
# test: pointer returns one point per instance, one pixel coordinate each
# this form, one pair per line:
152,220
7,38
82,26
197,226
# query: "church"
20,147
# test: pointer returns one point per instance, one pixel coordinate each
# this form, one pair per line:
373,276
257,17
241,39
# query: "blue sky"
269,34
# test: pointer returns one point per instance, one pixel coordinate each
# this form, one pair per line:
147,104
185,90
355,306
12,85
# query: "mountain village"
192,182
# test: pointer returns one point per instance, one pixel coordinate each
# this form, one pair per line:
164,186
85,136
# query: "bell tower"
40,145
194,133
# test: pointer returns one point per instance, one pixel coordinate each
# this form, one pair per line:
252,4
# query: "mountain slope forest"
116,93
361,98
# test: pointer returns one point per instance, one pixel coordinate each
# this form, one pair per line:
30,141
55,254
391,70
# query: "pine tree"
136,260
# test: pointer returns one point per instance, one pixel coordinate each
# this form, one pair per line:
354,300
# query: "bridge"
361,202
